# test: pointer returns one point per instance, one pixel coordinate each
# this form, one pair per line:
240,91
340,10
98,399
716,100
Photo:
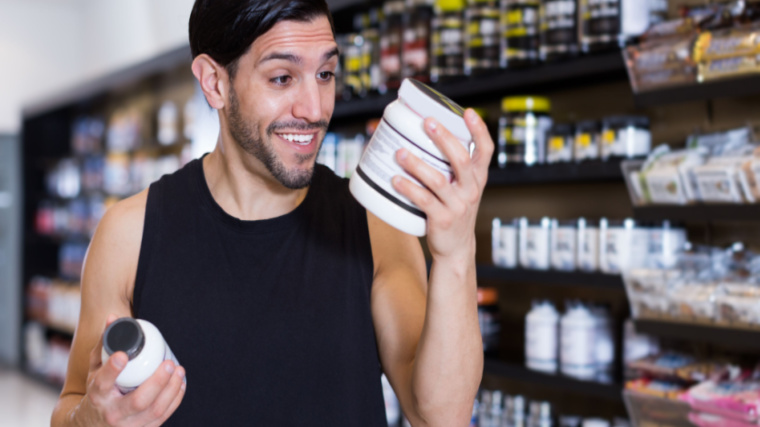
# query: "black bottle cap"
125,335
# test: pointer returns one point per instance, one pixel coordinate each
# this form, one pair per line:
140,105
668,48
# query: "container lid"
450,5
428,102
413,3
625,121
516,104
126,335
394,7
488,296
563,129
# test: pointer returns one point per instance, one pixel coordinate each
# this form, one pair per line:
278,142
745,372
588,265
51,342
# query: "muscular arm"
108,279
428,332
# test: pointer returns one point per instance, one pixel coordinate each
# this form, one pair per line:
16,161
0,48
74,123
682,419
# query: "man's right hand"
149,405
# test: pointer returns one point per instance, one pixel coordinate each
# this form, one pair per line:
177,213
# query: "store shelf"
512,371
743,339
719,212
726,88
496,85
551,277
592,171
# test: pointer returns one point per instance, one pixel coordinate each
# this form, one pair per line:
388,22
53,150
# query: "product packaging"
542,337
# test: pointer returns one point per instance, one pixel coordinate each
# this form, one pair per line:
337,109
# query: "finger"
143,398
172,407
452,148
484,145
173,394
428,176
105,379
421,197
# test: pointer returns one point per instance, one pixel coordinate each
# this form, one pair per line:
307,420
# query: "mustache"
297,125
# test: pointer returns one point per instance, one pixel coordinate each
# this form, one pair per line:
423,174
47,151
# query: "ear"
213,79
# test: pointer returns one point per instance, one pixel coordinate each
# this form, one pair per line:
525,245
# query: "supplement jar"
520,39
599,24
482,36
625,136
559,145
588,245
523,128
559,29
415,54
447,41
402,127
504,243
144,345
578,329
536,245
391,39
624,245
563,240
587,136
542,337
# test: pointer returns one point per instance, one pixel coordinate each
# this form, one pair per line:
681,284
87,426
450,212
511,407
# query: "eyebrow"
295,58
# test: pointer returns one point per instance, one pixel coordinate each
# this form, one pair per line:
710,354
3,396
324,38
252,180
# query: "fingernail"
169,368
183,386
403,154
396,180
432,125
472,116
181,373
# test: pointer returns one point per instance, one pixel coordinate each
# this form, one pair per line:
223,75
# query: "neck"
242,186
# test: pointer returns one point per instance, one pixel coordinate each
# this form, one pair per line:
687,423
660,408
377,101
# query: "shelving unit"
726,88
575,173
582,70
717,212
735,338
596,390
551,277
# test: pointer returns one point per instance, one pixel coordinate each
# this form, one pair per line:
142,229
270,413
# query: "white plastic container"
541,337
624,245
504,248
563,239
588,245
143,344
402,126
578,329
538,244
604,343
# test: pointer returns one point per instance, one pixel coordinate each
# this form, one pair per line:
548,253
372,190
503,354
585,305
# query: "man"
282,298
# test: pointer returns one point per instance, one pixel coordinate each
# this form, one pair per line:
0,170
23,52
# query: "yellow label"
557,143
514,17
473,28
516,32
584,140
354,64
608,137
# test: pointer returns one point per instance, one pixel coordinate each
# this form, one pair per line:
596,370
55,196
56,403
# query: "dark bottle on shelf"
520,33
415,53
447,40
391,39
559,29
482,34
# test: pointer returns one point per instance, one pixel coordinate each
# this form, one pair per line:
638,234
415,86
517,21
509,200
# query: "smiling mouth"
297,139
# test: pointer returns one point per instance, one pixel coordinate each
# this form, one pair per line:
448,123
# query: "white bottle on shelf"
143,344
541,333
577,342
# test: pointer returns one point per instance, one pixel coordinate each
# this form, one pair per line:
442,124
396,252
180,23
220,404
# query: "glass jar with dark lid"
625,136
482,36
559,29
587,137
523,127
520,39
447,40
559,143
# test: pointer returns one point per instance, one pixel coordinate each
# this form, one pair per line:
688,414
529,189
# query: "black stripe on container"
412,142
389,196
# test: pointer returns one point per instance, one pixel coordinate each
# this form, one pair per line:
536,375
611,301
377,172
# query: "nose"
308,102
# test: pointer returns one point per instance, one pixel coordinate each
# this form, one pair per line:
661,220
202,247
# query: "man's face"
282,98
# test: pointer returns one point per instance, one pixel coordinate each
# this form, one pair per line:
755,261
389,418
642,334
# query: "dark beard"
247,137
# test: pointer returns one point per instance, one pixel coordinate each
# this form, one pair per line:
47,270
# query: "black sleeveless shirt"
271,319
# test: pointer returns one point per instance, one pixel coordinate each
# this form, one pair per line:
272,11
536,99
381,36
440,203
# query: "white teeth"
298,139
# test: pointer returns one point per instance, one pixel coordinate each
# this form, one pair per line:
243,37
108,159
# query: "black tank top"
271,319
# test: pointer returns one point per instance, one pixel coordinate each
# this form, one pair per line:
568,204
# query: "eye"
281,80
326,76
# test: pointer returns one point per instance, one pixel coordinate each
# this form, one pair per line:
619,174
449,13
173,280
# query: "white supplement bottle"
541,337
143,344
578,329
402,126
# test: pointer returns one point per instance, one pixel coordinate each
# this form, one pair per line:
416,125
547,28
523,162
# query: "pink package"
701,419
739,400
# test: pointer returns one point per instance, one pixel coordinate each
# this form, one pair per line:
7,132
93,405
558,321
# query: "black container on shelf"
415,53
520,38
391,41
482,37
559,29
447,40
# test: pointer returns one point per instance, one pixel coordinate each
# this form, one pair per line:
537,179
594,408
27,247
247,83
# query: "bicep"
107,277
399,293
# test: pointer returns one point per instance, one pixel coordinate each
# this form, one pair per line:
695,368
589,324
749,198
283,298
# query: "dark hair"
226,29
